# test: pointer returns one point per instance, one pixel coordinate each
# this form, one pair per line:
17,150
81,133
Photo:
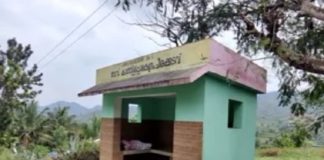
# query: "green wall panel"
219,141
189,101
152,108
108,107
163,108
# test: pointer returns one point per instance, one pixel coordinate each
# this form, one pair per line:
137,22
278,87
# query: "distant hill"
269,110
92,112
80,111
272,116
95,108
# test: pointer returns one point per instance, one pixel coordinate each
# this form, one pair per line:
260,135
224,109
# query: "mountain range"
268,108
81,112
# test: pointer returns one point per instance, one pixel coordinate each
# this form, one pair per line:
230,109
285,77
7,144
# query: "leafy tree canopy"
17,81
289,31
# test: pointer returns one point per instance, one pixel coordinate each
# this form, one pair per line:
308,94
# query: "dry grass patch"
290,154
322,153
269,152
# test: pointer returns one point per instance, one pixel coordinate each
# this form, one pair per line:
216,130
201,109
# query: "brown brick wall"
110,139
187,141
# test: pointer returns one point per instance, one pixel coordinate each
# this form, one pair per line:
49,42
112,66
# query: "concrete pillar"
110,139
187,141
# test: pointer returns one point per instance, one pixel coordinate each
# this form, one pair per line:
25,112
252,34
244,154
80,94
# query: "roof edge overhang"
171,78
143,82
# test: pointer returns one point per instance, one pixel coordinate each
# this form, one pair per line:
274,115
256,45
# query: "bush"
284,141
32,152
41,151
297,137
86,150
6,154
271,152
84,155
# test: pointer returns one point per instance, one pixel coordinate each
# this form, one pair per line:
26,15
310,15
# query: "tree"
296,136
17,82
289,31
63,126
33,127
60,117
92,129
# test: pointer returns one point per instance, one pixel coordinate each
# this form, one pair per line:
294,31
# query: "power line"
70,33
79,38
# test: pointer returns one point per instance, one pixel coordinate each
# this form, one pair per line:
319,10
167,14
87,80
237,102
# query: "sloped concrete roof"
221,61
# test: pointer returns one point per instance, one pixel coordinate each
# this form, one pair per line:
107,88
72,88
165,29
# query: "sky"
44,23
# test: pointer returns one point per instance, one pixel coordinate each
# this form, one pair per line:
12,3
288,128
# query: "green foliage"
91,130
60,138
88,145
7,139
17,83
300,136
284,141
297,137
32,127
62,126
40,151
36,128
6,154
36,133
31,133
87,150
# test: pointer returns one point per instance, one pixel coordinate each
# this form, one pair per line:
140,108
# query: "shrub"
284,141
6,154
84,155
86,150
271,152
298,137
41,151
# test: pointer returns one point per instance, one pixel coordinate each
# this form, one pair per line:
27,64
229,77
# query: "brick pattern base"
110,139
187,141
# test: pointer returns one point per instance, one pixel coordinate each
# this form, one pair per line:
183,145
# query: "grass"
290,154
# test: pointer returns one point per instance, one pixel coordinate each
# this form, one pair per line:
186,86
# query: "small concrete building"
194,102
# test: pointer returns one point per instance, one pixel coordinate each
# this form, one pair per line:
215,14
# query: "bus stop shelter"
194,102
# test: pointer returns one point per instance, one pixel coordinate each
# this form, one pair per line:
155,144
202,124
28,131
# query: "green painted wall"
219,141
108,106
152,108
205,100
142,102
189,101
163,109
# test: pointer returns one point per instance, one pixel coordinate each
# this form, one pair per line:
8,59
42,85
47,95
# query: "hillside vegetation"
273,120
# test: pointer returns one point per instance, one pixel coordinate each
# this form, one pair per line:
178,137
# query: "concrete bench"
152,151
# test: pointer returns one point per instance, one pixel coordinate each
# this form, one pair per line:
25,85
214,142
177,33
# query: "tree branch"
309,8
299,61
280,49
